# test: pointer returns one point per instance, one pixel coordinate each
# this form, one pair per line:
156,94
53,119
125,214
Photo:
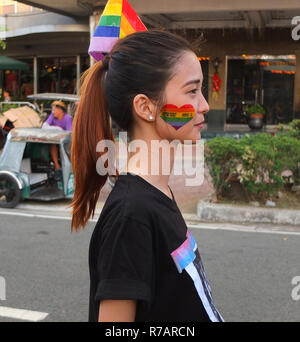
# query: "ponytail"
91,124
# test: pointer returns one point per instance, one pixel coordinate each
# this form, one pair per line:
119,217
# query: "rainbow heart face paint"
177,116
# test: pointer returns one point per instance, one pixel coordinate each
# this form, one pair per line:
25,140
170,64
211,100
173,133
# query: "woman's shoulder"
68,117
50,117
129,200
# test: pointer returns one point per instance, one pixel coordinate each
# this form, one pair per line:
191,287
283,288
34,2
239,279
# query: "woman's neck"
153,160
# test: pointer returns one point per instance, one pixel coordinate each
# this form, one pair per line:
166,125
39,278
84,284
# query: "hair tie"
105,61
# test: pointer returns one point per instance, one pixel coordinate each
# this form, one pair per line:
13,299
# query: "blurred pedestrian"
61,120
59,116
6,96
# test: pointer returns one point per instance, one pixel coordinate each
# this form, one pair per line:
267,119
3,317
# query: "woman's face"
184,89
57,112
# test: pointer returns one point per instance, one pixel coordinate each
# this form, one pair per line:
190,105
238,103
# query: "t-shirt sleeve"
50,119
69,122
124,265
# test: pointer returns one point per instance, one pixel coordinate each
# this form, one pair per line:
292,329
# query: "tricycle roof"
54,96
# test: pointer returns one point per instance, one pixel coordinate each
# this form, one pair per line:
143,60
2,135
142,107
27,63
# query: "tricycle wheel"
10,194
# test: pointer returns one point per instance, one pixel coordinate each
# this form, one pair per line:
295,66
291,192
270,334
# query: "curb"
61,208
206,212
212,212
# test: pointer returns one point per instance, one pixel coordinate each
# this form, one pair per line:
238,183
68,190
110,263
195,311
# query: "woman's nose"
203,106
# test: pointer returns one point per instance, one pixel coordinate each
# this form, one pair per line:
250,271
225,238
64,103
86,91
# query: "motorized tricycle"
26,168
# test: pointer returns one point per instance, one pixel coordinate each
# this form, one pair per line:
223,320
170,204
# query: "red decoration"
216,82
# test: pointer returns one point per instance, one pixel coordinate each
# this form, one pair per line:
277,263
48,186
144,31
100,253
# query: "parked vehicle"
26,168
40,104
70,99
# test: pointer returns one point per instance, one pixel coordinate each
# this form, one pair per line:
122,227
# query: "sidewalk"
195,205
207,212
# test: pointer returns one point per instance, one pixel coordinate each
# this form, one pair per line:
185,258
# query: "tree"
2,42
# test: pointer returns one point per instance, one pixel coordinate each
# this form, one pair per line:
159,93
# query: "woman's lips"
200,124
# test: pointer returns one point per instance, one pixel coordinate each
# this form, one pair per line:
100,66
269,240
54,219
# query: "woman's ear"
144,107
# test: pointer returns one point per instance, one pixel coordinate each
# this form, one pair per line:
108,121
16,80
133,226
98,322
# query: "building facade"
53,45
248,50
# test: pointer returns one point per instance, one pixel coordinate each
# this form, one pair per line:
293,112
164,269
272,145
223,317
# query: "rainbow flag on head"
118,20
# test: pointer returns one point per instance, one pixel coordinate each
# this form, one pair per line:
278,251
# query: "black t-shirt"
142,249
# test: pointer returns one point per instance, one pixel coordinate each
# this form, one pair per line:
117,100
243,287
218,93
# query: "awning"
13,64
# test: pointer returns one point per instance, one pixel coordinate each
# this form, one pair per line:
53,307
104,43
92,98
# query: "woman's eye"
194,91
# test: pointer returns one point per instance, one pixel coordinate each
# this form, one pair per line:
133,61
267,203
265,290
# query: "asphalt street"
45,268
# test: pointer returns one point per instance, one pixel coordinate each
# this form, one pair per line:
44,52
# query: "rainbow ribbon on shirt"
118,20
185,253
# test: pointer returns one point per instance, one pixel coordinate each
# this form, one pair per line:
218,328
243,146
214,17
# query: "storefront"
25,87
53,45
204,61
12,76
57,74
247,52
263,79
53,75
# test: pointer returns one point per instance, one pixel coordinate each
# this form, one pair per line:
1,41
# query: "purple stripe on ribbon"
176,125
100,45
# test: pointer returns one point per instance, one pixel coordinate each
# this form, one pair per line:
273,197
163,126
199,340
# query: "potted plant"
256,115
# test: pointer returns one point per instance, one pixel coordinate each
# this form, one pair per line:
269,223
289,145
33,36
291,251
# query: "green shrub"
255,161
222,155
5,107
256,108
292,128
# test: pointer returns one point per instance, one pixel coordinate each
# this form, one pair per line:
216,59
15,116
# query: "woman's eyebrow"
197,81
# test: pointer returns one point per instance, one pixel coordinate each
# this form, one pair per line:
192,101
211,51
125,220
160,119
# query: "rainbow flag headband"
118,20
175,116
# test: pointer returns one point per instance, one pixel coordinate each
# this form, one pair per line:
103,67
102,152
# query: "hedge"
255,161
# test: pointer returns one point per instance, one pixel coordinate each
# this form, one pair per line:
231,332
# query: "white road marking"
15,213
24,315
213,226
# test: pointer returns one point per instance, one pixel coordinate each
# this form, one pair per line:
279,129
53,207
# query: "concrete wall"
81,7
44,34
180,6
15,25
50,44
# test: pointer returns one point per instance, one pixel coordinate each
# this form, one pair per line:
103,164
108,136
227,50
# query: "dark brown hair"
141,63
61,105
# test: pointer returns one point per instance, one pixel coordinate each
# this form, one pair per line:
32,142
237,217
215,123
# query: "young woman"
144,262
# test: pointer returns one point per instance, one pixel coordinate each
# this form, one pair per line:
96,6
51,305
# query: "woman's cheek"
177,117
